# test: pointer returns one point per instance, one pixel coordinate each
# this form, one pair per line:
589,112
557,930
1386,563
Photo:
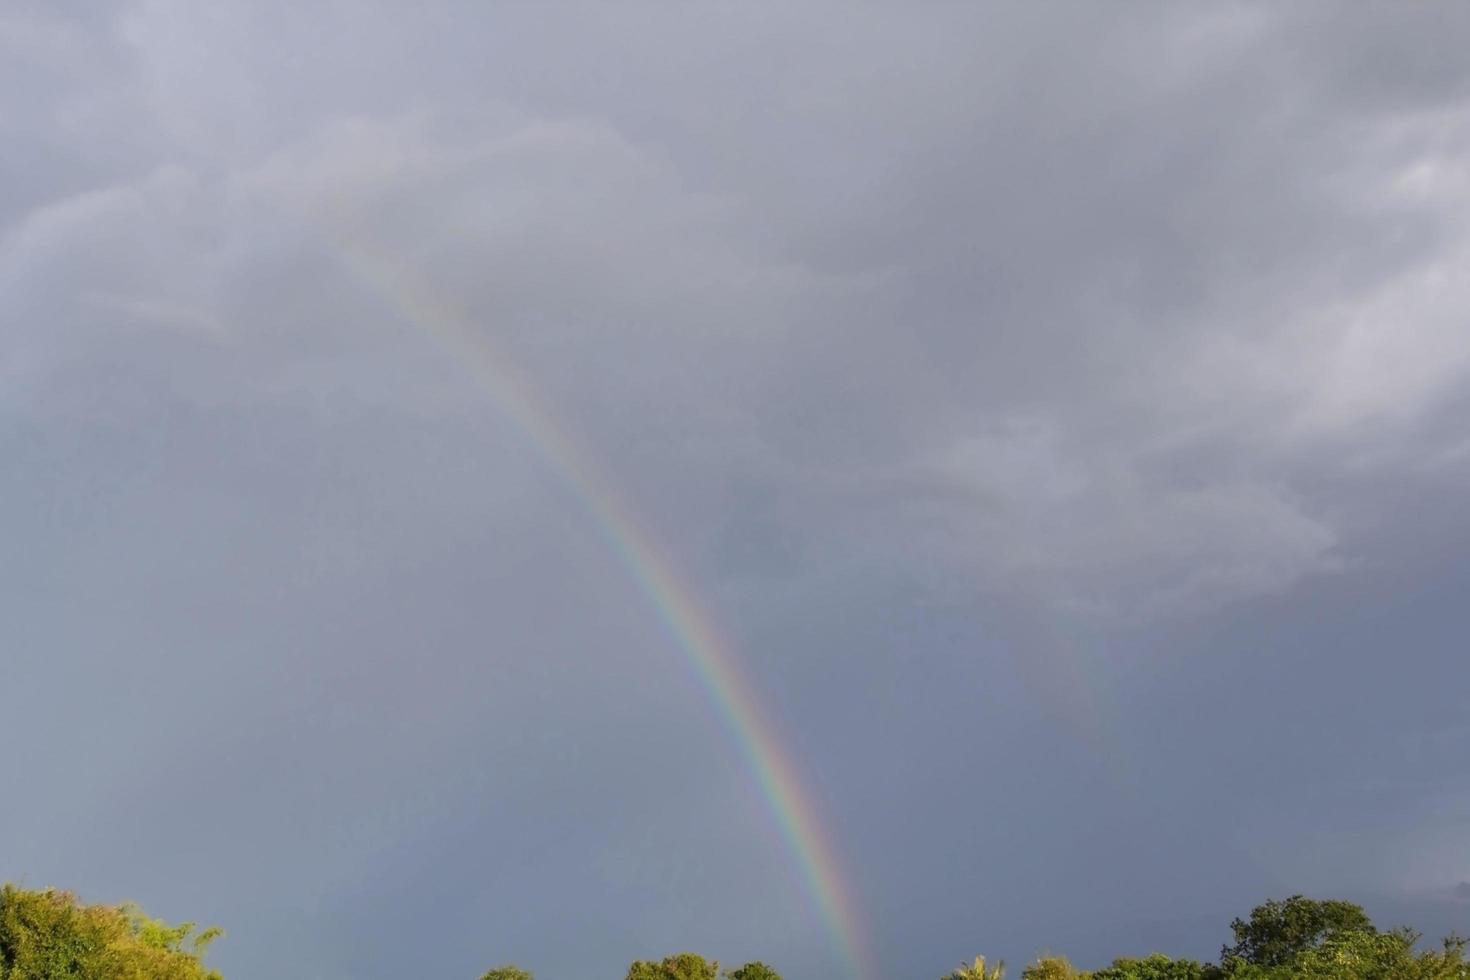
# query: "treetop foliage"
49,935
978,970
680,966
507,972
1154,967
1050,968
753,971
1278,932
1297,938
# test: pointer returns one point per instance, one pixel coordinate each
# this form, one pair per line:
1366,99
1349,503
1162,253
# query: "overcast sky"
1062,409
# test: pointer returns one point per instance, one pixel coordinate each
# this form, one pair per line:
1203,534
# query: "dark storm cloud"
1062,408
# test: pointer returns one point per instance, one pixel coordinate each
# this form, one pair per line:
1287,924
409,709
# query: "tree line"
1297,938
51,935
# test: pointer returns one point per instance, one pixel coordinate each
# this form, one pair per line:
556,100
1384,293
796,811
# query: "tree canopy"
1296,938
1154,967
979,970
1050,968
753,971
680,966
50,935
1278,932
508,971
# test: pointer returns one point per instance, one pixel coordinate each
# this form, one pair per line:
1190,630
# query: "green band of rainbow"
717,670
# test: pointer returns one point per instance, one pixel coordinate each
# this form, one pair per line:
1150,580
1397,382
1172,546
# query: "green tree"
1280,931
1381,956
680,966
755,970
1051,968
978,971
49,935
1154,967
506,971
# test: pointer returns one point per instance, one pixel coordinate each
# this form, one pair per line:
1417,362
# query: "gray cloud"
1063,366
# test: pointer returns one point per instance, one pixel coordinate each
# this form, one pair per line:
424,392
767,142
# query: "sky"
1060,413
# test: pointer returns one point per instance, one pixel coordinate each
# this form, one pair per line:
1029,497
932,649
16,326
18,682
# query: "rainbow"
715,667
